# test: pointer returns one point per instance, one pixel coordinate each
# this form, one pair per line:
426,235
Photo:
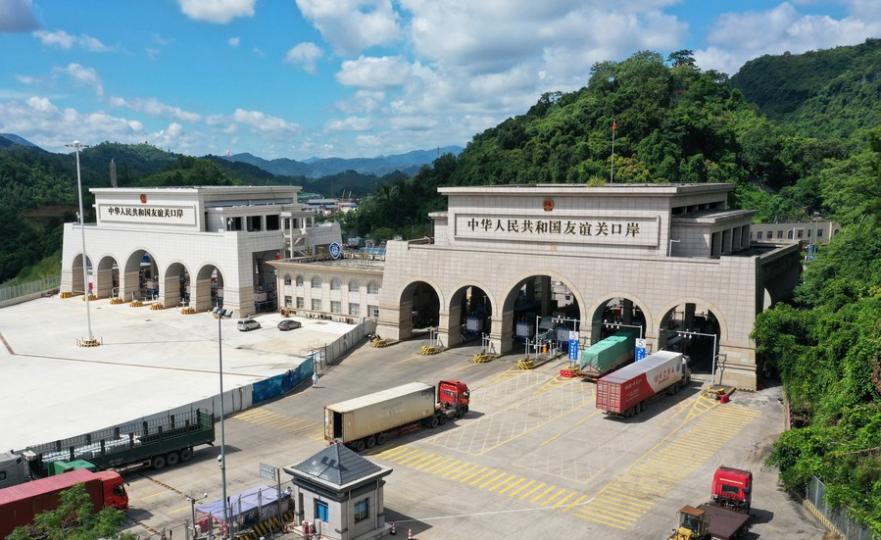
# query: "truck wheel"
158,462
380,439
359,445
172,459
371,441
433,422
186,454
442,420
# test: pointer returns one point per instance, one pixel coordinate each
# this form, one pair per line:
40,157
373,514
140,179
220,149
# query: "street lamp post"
79,185
220,314
689,334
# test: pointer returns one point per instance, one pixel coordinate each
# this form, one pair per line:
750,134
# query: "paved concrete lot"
150,361
533,458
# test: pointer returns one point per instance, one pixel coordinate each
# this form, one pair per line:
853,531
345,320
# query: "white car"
246,325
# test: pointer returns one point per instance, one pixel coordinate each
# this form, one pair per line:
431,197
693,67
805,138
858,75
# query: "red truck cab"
114,489
733,488
454,395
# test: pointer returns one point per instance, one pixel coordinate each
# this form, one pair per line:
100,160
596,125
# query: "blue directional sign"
639,353
573,346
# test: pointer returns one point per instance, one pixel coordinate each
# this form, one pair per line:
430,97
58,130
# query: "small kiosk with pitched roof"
340,494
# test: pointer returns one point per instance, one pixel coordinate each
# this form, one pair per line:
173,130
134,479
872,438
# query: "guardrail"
10,292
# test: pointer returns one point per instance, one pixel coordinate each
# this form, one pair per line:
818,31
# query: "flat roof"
584,189
379,397
207,190
342,264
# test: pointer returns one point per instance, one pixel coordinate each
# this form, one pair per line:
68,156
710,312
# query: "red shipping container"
20,504
624,391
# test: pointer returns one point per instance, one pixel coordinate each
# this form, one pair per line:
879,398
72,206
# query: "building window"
322,513
335,284
354,309
373,311
287,223
362,510
789,235
316,282
799,233
354,286
287,279
810,231
299,281
316,304
373,288
779,234
335,307
759,235
234,224
254,223
272,222
819,233
300,302
288,301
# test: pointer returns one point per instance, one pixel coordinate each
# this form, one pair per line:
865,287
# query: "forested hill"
833,92
675,123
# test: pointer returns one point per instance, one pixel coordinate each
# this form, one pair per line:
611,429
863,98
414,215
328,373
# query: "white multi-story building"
195,246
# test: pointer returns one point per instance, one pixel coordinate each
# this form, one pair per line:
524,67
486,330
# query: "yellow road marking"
521,488
497,481
491,479
472,474
542,494
562,501
531,491
482,477
552,439
506,481
512,485
552,498
575,503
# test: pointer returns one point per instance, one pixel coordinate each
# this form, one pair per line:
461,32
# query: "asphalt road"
533,458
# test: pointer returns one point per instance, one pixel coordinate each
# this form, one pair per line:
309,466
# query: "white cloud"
369,141
234,41
413,123
217,11
351,26
83,75
737,37
374,71
263,122
41,121
351,123
154,107
304,55
17,16
60,38
26,79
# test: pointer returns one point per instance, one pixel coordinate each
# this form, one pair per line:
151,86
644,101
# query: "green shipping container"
609,354
59,467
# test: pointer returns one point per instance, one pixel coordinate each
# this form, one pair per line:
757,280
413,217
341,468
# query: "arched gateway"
517,261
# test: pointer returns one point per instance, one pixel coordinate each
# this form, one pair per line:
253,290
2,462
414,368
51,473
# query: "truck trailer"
20,504
607,355
625,392
156,443
369,420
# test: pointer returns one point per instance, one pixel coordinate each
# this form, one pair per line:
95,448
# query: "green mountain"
827,93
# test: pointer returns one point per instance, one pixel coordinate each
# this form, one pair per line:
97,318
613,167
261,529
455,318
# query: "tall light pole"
689,334
79,185
220,314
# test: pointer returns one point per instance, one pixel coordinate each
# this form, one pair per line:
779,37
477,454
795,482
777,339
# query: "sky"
353,78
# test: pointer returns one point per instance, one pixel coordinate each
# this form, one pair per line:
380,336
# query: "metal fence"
850,528
8,292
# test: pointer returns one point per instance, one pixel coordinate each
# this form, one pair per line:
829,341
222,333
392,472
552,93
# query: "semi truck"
156,443
370,420
20,504
625,392
607,355
726,516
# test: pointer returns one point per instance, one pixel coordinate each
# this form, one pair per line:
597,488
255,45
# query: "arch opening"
177,285
420,303
141,276
77,285
470,314
209,288
689,328
107,278
614,315
543,308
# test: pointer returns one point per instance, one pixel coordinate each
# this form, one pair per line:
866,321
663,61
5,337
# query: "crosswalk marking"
531,491
276,421
562,501
624,500
512,485
575,503
518,490
541,495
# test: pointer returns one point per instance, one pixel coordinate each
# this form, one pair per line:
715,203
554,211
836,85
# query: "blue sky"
300,78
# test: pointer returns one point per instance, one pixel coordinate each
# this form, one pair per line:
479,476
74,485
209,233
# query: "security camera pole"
220,314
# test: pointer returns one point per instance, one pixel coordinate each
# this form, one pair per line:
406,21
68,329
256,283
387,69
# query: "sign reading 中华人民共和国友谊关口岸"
147,214
633,231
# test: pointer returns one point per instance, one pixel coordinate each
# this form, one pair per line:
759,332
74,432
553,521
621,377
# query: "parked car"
246,325
289,324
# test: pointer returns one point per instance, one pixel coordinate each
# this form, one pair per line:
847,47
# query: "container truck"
369,420
607,355
156,443
20,504
626,391
726,517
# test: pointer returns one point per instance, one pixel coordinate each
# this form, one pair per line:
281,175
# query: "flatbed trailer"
725,523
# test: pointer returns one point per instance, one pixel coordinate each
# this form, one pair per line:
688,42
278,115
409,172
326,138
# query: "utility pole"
90,341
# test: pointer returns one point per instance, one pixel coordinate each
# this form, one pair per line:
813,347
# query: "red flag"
614,125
